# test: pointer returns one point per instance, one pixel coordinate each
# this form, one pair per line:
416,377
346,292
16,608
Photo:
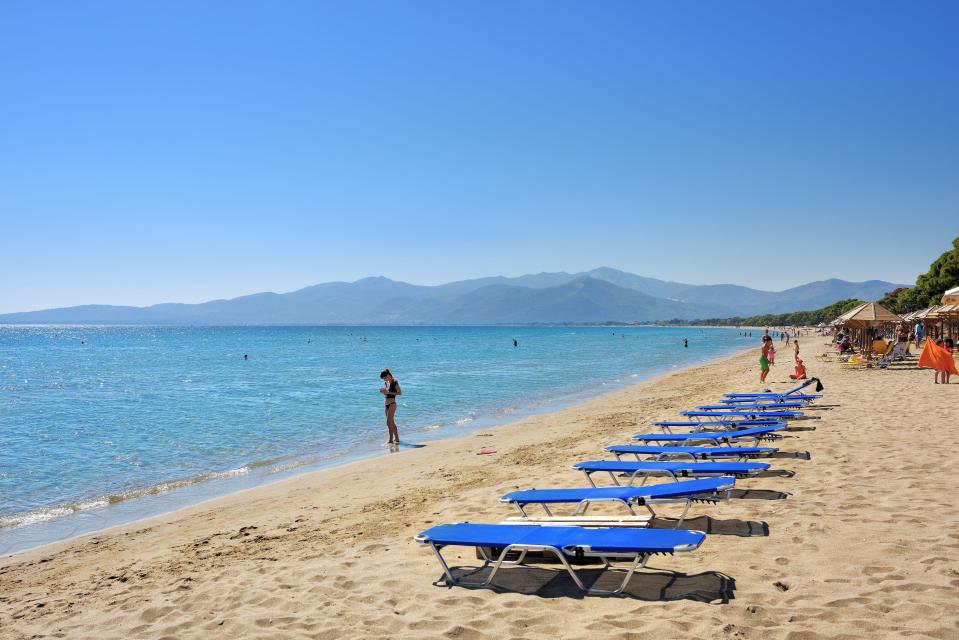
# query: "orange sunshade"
935,357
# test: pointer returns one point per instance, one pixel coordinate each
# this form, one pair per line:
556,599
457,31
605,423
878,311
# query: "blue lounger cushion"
740,397
767,400
739,412
758,422
566,539
757,406
695,452
626,494
791,392
607,543
716,436
676,469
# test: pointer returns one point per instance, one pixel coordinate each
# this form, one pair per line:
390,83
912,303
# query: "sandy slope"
861,542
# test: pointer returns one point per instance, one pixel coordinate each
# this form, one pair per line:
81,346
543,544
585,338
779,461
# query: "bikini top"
391,391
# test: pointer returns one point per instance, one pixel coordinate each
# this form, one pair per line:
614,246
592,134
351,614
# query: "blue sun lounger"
772,397
767,401
692,453
782,415
762,407
686,492
627,544
715,437
675,470
718,424
792,393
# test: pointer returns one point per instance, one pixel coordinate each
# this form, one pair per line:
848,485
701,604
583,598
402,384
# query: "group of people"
767,358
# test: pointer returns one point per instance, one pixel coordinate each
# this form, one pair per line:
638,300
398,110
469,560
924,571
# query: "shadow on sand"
757,494
795,455
776,473
650,584
707,524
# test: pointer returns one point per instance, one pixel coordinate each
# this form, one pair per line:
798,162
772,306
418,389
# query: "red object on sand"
800,371
936,357
486,452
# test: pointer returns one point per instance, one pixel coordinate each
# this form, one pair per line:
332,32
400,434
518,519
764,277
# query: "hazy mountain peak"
598,295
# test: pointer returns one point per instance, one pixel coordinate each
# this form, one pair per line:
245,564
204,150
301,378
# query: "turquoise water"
104,424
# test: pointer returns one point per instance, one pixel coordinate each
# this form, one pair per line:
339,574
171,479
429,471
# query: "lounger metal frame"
718,439
718,425
639,561
579,514
693,457
648,473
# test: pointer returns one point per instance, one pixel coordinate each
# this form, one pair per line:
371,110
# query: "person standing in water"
685,342
390,389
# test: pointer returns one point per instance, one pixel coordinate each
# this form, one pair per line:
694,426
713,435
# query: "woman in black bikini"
390,389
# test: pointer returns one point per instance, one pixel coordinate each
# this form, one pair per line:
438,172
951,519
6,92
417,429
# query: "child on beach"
800,370
764,358
390,389
948,345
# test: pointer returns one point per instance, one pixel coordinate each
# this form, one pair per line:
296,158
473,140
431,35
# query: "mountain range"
599,295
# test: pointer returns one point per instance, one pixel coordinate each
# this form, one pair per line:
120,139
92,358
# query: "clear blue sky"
182,151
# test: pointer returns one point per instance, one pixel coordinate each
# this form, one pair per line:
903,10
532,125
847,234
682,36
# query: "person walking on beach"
764,359
949,346
390,389
795,349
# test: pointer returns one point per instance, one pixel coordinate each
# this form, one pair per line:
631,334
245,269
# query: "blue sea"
103,425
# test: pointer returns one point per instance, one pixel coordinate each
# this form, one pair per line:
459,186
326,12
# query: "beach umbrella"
865,316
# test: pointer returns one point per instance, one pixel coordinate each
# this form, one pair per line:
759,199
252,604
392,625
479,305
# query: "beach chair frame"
692,456
637,561
646,474
578,518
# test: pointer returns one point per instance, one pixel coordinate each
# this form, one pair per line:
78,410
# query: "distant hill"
599,295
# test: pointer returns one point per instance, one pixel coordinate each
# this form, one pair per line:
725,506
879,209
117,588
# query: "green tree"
943,274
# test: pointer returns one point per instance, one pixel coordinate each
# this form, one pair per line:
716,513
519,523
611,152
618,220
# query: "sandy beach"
859,540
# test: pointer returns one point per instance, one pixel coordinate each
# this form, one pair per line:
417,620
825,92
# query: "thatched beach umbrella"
865,316
950,297
947,316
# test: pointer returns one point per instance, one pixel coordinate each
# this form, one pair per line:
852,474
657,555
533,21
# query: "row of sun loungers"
712,470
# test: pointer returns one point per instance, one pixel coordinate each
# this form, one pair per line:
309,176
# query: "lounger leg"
639,561
682,516
649,508
450,580
500,560
589,479
613,478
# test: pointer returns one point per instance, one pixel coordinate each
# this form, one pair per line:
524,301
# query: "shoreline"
830,544
207,492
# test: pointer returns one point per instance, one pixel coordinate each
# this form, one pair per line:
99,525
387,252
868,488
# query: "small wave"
44,514
232,473
289,466
431,427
